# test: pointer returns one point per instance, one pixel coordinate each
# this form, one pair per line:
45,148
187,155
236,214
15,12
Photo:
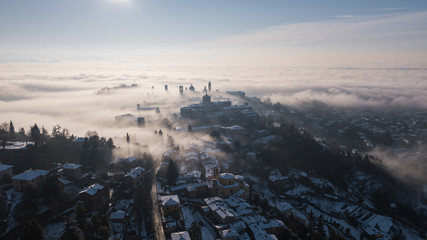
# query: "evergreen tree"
320,228
33,231
172,173
311,223
21,135
109,144
12,134
4,134
35,135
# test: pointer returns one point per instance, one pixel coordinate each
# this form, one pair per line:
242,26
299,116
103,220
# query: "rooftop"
92,189
71,166
135,172
180,236
30,175
226,176
5,167
169,200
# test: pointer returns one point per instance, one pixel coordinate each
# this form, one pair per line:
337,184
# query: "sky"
235,32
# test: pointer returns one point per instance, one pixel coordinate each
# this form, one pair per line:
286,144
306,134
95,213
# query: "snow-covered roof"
169,200
135,172
180,236
4,167
229,233
235,128
226,176
283,206
273,223
92,189
118,215
79,140
129,159
71,166
30,175
239,177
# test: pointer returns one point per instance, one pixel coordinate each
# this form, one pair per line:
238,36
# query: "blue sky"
63,29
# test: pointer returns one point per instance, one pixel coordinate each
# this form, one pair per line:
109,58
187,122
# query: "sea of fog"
66,93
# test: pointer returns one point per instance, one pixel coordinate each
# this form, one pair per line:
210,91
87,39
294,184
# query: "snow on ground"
188,217
299,190
53,231
353,231
14,198
384,223
206,234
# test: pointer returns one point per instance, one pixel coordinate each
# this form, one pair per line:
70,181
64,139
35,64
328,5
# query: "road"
157,220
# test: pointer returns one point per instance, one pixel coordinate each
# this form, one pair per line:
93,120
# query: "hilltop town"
252,170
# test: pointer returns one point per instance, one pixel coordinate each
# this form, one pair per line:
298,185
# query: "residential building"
72,170
33,179
6,169
170,205
93,196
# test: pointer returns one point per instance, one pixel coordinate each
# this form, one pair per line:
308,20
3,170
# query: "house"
219,210
273,226
180,236
118,216
72,170
197,189
118,224
170,205
6,169
33,179
93,196
135,176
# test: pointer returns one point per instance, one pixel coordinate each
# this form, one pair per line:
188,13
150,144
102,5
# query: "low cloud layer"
65,93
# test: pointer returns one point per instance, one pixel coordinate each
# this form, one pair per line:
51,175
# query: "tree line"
59,146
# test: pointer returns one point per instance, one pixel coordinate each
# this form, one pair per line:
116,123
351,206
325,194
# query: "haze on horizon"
54,55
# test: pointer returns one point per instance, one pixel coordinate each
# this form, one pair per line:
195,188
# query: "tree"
35,135
110,144
171,142
4,133
172,173
80,215
311,223
33,231
320,228
195,231
103,232
12,133
22,136
71,231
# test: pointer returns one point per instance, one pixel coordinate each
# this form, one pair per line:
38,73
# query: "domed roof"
226,176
